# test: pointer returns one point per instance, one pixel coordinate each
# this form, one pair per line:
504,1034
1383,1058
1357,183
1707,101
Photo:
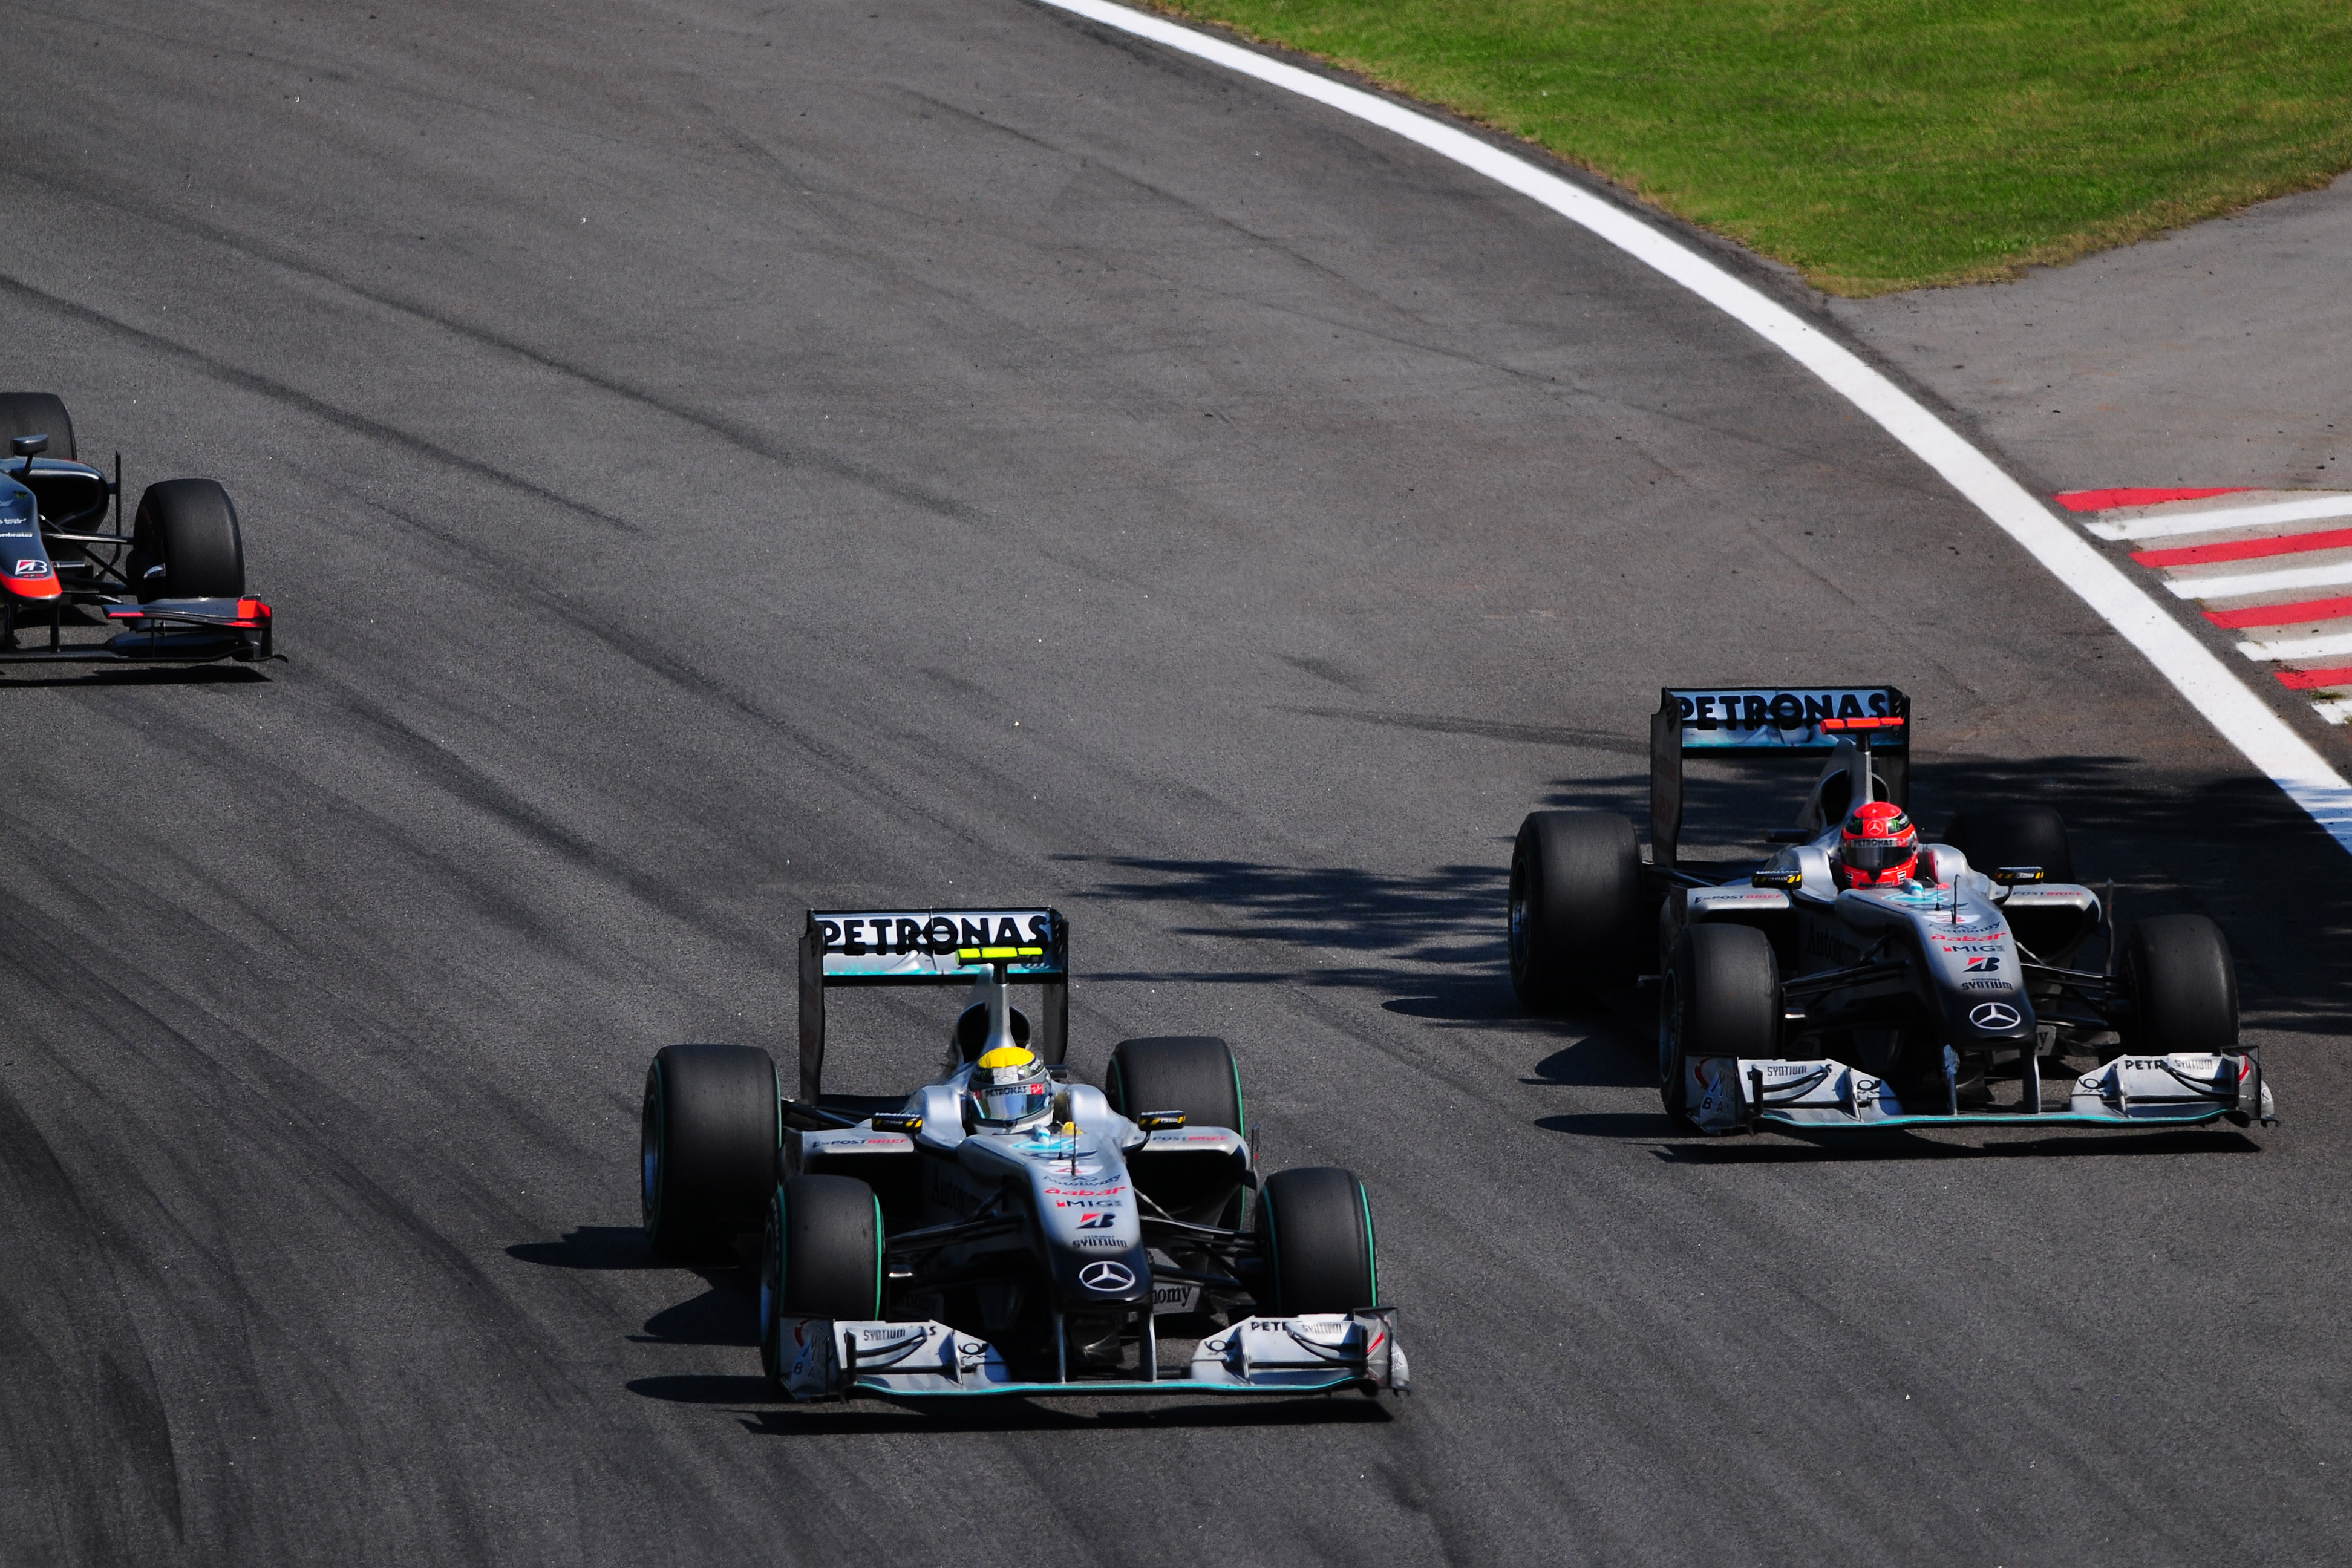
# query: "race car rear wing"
931,947
1762,721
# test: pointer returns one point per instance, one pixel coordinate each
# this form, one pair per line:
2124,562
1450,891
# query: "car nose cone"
1995,1015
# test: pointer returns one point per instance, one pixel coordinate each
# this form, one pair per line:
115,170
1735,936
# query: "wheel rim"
770,1288
1670,1054
649,1150
1518,916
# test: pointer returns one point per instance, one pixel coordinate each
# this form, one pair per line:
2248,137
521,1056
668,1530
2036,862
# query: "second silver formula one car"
1789,996
1009,1229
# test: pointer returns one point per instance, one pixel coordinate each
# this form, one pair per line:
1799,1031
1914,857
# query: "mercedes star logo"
1996,1016
1106,1277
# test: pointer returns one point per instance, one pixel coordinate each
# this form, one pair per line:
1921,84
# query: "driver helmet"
1879,847
1010,1086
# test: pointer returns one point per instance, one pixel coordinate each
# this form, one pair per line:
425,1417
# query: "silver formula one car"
1789,999
1008,1229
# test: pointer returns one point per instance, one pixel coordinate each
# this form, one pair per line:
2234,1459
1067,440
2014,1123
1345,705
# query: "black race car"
172,590
929,1250
1786,998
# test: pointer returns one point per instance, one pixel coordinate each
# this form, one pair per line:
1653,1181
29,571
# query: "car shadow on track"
1431,940
1596,1062
999,1414
724,1314
133,675
1677,1145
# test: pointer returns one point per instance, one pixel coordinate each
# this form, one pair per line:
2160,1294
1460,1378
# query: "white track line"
2241,717
2300,648
2269,514
2243,583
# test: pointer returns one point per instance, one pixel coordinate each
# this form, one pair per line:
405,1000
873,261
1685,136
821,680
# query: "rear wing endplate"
1765,721
931,947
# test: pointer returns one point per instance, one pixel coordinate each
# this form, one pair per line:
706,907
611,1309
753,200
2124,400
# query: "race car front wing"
1316,1352
1733,1095
174,631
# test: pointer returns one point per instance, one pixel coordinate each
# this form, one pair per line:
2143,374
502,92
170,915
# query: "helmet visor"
1006,1104
1878,855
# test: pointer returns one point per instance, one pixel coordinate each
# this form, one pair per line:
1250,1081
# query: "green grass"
1880,144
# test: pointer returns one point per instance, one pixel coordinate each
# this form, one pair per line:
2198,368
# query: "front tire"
37,414
2183,987
706,1143
1575,906
1314,1231
1721,998
820,1256
1195,1074
185,544
2016,834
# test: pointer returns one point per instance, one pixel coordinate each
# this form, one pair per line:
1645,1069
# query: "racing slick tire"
1720,996
1195,1074
2016,834
2183,987
820,1256
1575,906
37,414
706,1146
185,544
1314,1231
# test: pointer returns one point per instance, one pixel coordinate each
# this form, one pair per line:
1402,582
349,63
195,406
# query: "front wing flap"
181,631
1315,1353
1728,1094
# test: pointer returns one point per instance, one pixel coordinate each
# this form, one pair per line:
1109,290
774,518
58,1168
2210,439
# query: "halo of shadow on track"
135,675
2234,848
722,1315
1678,1145
1006,1414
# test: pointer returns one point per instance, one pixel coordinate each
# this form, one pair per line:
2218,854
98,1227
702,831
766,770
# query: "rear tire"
2183,987
1992,837
185,544
820,1256
706,1146
1720,997
37,414
1575,906
1192,1073
1315,1230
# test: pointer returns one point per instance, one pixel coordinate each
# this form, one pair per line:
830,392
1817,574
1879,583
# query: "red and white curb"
2253,561
2204,680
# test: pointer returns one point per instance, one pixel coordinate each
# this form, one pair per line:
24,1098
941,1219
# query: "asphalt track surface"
710,461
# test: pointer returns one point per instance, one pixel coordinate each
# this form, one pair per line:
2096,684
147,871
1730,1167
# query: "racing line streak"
2241,717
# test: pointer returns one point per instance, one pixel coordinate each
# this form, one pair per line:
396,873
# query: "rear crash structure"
172,590
922,1252
1956,998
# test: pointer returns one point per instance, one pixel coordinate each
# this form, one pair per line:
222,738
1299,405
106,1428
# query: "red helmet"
1879,848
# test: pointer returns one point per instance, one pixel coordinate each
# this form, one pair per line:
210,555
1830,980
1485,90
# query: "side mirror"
897,1122
1785,882
28,446
2011,875
1160,1121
